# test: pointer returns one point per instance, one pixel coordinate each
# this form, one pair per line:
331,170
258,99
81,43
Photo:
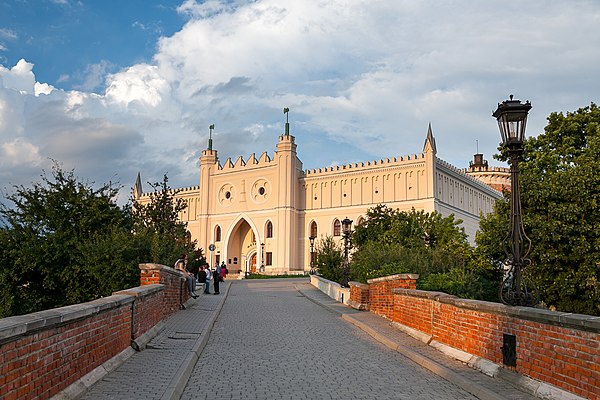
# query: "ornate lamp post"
516,289
262,257
312,254
346,224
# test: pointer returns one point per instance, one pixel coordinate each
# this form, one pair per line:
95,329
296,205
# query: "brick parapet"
359,295
43,353
381,300
176,292
561,349
148,307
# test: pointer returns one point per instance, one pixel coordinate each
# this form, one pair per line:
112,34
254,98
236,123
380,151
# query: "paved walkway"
284,339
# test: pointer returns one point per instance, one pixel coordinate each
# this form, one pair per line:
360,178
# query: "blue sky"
112,88
74,43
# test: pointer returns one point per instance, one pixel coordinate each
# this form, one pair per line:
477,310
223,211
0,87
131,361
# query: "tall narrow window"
313,229
218,234
269,258
269,232
337,228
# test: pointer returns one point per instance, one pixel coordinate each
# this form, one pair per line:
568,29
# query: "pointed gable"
429,142
137,187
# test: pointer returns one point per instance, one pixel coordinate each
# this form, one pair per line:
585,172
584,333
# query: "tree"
329,255
560,194
435,247
47,236
158,221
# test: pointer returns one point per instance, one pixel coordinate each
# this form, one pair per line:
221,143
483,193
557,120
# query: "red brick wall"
43,353
40,364
381,299
557,348
176,291
148,308
359,292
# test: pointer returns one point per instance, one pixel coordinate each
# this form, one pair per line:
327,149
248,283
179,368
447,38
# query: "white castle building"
258,214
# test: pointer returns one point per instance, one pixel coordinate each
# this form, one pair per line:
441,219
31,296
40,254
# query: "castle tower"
495,177
209,164
289,171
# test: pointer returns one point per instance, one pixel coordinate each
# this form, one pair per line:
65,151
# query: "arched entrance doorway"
242,248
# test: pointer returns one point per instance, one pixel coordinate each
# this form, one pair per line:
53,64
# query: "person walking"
208,278
217,278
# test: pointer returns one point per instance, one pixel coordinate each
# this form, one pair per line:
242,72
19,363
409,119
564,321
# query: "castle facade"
258,214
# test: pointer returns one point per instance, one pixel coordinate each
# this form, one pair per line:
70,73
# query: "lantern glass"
346,223
512,120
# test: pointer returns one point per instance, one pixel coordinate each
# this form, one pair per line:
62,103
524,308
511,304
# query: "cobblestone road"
270,342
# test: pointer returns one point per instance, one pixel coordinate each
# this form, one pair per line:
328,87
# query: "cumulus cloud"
93,75
363,80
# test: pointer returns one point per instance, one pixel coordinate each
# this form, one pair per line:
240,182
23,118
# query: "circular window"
226,194
260,191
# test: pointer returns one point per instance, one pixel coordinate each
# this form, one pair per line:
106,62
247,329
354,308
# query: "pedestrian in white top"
208,278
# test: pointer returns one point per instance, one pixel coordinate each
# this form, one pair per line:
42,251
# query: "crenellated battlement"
363,166
486,169
179,191
462,173
252,162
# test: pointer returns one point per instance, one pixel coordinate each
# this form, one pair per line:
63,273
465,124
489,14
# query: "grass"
261,276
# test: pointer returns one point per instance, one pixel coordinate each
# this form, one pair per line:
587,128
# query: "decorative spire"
431,140
210,129
286,111
137,187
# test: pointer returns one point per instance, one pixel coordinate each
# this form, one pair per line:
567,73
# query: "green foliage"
329,258
560,195
157,222
44,240
391,242
263,276
462,282
64,242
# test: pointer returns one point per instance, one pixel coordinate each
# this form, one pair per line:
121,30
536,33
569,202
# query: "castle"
258,214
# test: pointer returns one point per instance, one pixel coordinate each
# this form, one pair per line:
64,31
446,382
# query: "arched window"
360,220
218,234
313,229
337,227
188,237
269,229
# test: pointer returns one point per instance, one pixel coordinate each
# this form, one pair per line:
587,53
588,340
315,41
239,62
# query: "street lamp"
516,289
346,224
262,257
312,254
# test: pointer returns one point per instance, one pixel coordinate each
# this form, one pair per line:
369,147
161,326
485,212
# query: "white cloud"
17,153
140,83
20,77
42,88
94,75
8,34
362,79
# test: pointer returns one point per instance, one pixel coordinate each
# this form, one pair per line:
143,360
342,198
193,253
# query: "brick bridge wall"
43,353
558,349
